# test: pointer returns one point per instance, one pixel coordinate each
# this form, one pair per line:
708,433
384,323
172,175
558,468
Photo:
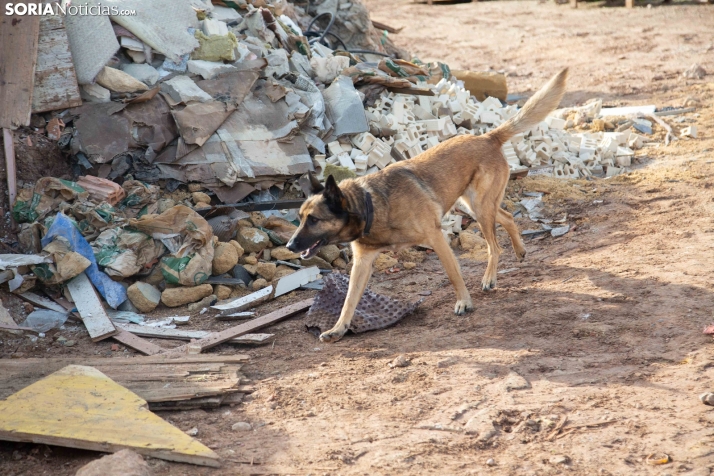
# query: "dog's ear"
309,184
333,195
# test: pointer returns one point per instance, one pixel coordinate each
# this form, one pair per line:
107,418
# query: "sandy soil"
603,325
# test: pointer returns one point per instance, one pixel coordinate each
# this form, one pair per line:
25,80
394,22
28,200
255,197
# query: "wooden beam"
136,342
18,54
181,334
90,308
10,164
248,327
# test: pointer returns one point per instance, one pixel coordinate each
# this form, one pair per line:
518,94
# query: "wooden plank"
10,164
250,326
136,342
55,79
90,308
42,301
180,334
80,407
245,302
629,3
18,53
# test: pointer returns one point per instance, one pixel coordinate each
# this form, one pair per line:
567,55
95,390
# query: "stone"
252,269
205,302
695,72
339,263
490,462
409,265
258,219
411,254
329,253
259,284
481,424
384,262
119,81
145,73
174,297
195,187
155,278
200,197
164,204
95,93
238,247
399,361
559,459
242,426
121,463
200,205
315,261
707,398
252,240
183,89
222,291
225,257
283,254
250,259
209,69
469,240
514,381
267,270
225,14
192,432
144,296
282,271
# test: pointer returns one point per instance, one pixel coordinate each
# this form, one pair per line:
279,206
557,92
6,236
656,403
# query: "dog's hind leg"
505,219
485,205
361,272
448,260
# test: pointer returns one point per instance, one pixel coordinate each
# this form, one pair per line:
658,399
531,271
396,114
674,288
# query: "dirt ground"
602,326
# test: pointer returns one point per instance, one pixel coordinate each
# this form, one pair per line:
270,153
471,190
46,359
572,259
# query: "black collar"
369,212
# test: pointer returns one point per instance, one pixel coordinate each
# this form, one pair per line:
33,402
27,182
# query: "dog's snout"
291,245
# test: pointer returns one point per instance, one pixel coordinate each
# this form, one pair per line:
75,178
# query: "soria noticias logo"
65,7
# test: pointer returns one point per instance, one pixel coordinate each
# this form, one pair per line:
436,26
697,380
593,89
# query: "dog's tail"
535,110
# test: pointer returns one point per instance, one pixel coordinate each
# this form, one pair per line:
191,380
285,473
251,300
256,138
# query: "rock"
144,296
205,302
282,271
121,463
266,254
339,263
707,398
411,254
250,259
222,291
238,247
283,254
183,89
175,297
329,253
469,240
195,187
515,382
200,197
252,269
695,72
490,462
259,284
384,262
481,424
239,272
242,426
119,81
258,219
200,205
447,362
225,257
267,270
164,204
316,261
559,459
252,240
145,73
409,265
209,69
399,361
95,93
193,431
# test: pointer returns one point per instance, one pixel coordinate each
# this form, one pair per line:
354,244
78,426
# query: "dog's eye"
312,220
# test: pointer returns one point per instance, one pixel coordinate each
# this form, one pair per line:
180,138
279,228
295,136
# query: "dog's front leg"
447,258
361,272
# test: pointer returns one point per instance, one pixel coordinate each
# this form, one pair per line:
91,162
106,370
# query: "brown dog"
403,204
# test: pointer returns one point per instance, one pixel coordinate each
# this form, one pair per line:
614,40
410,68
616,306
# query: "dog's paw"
462,306
488,284
521,254
332,336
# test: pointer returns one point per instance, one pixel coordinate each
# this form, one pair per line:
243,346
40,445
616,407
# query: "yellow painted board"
80,407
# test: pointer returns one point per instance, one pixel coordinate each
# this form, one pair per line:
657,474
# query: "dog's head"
325,218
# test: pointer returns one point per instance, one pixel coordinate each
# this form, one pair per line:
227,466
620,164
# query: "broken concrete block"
283,254
278,64
174,297
346,161
95,93
293,281
203,303
131,44
266,270
215,47
327,69
689,131
225,257
183,89
119,81
225,14
214,27
121,463
138,57
222,292
144,296
145,73
209,69
252,240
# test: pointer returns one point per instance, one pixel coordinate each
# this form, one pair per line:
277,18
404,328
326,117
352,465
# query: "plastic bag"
42,320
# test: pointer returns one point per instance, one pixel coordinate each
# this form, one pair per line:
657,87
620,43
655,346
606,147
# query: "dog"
403,204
